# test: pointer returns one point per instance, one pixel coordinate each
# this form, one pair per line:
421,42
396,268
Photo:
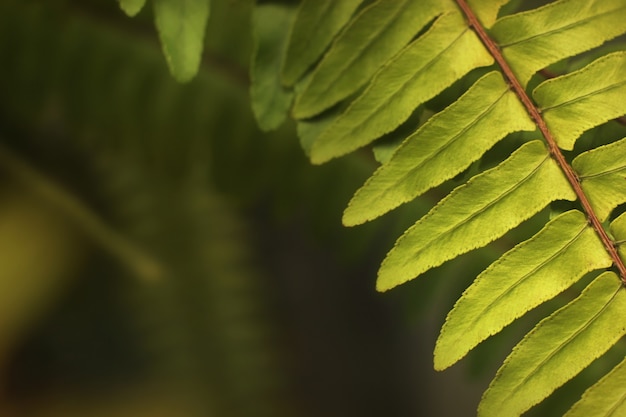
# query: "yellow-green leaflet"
583,99
558,348
447,51
602,172
181,25
526,276
443,147
314,27
607,398
487,10
374,36
533,40
270,101
476,213
618,229
131,7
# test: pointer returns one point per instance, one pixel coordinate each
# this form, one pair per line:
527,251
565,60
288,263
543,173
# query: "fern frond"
446,52
373,37
535,39
358,94
485,208
485,114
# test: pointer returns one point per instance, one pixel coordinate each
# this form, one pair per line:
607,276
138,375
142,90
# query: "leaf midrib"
562,345
509,289
449,143
590,94
360,53
555,151
491,203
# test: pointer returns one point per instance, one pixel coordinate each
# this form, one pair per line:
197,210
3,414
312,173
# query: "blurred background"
161,257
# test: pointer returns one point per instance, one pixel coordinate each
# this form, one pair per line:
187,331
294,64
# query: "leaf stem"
556,153
138,261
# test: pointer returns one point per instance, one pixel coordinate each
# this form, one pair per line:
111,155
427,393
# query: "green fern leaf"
181,25
558,348
604,399
618,229
531,273
132,7
380,30
602,172
316,23
583,99
270,102
486,113
433,62
533,40
487,10
359,93
477,213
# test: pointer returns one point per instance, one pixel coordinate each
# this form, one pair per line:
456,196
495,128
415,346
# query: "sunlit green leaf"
430,64
477,213
558,348
487,10
446,145
618,229
533,40
602,172
374,36
531,273
586,98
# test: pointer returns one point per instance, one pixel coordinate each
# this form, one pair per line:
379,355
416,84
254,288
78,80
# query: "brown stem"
552,146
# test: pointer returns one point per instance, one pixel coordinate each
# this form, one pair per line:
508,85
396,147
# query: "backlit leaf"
583,99
529,274
443,147
558,348
379,32
602,172
607,398
533,40
487,10
477,213
430,64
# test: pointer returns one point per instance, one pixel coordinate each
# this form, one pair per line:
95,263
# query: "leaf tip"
131,7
